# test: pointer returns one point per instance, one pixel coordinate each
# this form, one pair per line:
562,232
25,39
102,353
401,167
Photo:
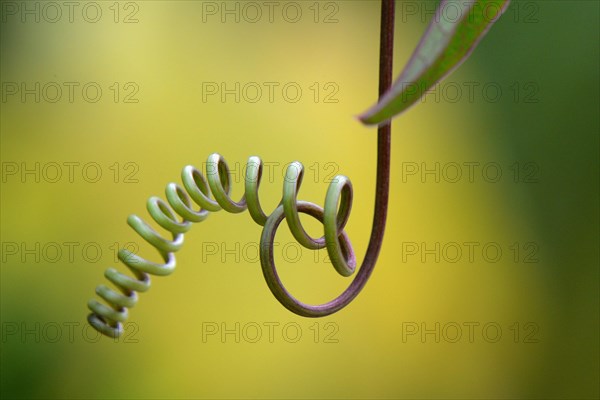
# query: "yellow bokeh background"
170,56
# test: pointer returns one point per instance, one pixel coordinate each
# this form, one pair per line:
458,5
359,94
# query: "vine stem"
382,186
380,209
386,58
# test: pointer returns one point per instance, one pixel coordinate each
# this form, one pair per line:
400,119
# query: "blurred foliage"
542,55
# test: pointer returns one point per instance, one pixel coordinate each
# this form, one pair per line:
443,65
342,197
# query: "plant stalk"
381,200
382,186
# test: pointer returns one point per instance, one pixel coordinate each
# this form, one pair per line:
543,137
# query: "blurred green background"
431,323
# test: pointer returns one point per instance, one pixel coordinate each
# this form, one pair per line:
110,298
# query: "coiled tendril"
197,189
108,319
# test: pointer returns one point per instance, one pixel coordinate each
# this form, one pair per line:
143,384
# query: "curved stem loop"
381,202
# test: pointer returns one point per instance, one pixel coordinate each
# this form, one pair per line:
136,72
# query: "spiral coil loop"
108,319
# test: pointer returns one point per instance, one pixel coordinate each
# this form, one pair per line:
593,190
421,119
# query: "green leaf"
451,37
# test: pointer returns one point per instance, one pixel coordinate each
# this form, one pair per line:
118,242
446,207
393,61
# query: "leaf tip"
369,117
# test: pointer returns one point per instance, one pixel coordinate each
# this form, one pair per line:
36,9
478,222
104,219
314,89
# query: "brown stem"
382,188
381,200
